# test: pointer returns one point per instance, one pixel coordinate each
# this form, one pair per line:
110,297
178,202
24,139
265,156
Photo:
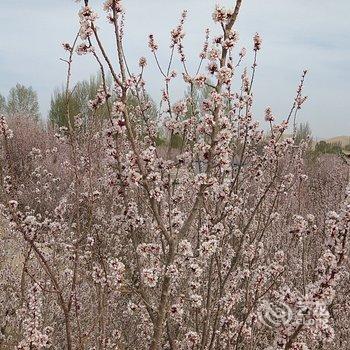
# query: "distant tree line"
76,102
324,147
304,133
23,101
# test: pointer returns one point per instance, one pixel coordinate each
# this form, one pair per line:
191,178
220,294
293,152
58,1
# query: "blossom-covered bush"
120,244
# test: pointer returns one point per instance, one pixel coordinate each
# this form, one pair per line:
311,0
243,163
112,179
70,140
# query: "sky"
297,35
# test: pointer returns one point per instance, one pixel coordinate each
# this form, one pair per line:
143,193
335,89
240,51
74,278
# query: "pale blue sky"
297,34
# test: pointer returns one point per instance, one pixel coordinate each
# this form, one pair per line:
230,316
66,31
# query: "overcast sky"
297,34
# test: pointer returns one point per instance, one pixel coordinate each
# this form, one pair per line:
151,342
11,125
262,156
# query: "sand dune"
343,140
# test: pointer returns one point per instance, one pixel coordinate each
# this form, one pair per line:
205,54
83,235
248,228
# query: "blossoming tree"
125,244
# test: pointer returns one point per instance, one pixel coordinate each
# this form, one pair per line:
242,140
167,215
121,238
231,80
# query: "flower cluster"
101,98
86,17
137,226
4,128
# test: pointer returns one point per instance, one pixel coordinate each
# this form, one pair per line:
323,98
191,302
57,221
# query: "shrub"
214,246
